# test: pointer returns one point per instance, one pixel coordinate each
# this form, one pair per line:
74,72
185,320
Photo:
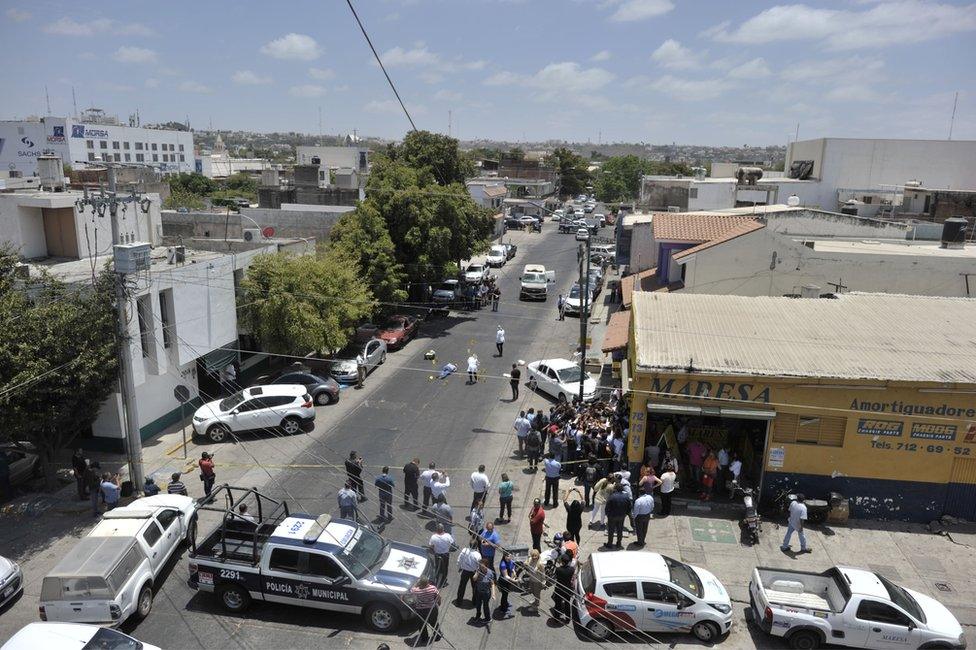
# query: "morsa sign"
713,389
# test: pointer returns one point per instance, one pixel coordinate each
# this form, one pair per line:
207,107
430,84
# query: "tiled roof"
853,336
645,281
617,332
738,230
694,226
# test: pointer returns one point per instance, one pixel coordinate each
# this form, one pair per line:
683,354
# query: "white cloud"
673,55
322,74
70,27
556,80
18,15
417,56
431,77
503,78
194,87
151,82
602,55
880,24
633,10
447,96
854,68
299,47
853,93
249,78
392,107
690,89
306,90
129,54
754,69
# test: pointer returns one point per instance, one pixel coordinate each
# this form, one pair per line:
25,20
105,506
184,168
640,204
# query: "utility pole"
133,439
584,285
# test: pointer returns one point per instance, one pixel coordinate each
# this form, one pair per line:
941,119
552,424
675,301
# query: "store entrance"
688,435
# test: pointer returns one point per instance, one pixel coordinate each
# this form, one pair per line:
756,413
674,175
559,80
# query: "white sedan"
68,636
560,378
11,580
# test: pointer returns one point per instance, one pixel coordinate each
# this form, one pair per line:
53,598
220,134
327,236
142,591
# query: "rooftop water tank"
954,232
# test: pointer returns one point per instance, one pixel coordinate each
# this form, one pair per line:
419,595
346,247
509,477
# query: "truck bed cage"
237,538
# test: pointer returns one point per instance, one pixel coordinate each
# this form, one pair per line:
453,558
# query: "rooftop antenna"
48,98
952,120
796,136
320,123
449,122
74,102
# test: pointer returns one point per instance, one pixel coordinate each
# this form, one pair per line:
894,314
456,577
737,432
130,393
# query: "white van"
497,255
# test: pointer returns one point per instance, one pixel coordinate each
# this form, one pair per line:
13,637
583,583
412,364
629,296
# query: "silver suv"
259,407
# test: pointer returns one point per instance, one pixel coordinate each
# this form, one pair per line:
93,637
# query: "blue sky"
691,71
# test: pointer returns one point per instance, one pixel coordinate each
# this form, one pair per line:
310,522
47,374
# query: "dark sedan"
398,330
323,389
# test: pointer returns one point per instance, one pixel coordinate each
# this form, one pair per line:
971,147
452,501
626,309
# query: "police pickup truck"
319,562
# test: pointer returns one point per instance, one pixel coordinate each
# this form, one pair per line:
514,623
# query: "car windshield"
393,324
475,268
570,375
684,576
575,291
902,598
362,553
105,639
231,401
534,277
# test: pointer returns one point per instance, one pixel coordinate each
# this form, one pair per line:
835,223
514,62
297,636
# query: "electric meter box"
131,258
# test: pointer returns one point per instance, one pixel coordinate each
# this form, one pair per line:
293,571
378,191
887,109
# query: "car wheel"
382,359
562,398
323,397
382,617
598,629
533,385
804,640
218,433
705,631
144,604
291,425
234,598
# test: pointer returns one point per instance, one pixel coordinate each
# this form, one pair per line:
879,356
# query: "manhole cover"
712,530
943,586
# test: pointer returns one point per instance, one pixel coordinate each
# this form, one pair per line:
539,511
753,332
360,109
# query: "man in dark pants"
385,484
427,600
515,375
354,472
552,468
207,473
617,509
537,524
411,474
425,478
79,465
642,510
440,547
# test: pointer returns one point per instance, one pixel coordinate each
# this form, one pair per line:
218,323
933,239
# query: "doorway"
59,232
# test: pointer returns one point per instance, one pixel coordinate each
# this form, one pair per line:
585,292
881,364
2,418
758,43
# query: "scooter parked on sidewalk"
817,509
751,522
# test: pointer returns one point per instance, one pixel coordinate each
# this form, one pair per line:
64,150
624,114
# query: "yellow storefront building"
869,395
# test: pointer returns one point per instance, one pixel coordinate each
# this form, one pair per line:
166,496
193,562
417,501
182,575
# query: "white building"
78,142
183,314
333,159
692,194
219,164
488,194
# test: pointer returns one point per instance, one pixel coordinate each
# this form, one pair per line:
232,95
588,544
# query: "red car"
397,330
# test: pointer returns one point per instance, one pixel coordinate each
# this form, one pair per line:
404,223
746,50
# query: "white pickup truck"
849,607
535,281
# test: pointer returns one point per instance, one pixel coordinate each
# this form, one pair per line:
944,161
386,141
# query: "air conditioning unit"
252,234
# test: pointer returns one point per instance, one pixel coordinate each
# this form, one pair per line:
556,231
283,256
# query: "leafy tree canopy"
362,237
435,153
619,177
193,183
572,169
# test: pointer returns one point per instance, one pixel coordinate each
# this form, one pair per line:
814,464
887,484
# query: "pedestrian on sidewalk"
93,481
490,540
79,465
360,370
484,591
668,479
176,486
641,512
411,475
534,578
561,307
476,519
425,479
150,489
442,513
354,472
522,426
384,486
618,507
515,377
506,583
467,563
228,379
500,340
589,480
798,514
472,369
348,500
563,591
601,492
553,470
426,602
207,473
574,514
533,449
440,546
111,491
537,524
505,489
479,486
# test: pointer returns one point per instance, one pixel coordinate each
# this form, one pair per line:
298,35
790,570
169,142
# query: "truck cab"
535,281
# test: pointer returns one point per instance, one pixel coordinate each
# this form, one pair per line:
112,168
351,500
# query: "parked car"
112,573
582,234
366,331
23,460
513,223
11,580
497,255
511,249
323,389
850,607
602,218
560,379
574,301
72,636
596,280
342,364
288,406
621,591
398,330
588,208
529,221
447,292
566,226
476,273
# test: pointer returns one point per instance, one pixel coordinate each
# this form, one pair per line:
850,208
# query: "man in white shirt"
440,546
642,510
522,425
479,486
360,370
735,470
500,340
439,484
473,369
668,479
798,514
425,483
468,560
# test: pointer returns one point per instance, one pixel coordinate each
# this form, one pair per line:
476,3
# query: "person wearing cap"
537,523
798,514
207,473
150,489
176,485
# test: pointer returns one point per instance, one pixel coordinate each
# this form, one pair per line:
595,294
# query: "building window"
90,143
91,157
166,316
117,157
128,157
140,157
172,147
115,145
165,158
693,193
138,146
155,158
125,145
809,430
144,311
106,157
181,147
154,146
103,145
182,159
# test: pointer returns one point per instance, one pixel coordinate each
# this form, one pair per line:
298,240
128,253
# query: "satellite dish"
793,201
268,232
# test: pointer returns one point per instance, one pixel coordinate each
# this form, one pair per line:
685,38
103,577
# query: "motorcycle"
751,523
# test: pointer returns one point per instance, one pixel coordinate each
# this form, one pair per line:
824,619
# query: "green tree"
180,198
193,183
241,183
620,178
362,237
305,303
572,169
516,154
435,153
58,358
